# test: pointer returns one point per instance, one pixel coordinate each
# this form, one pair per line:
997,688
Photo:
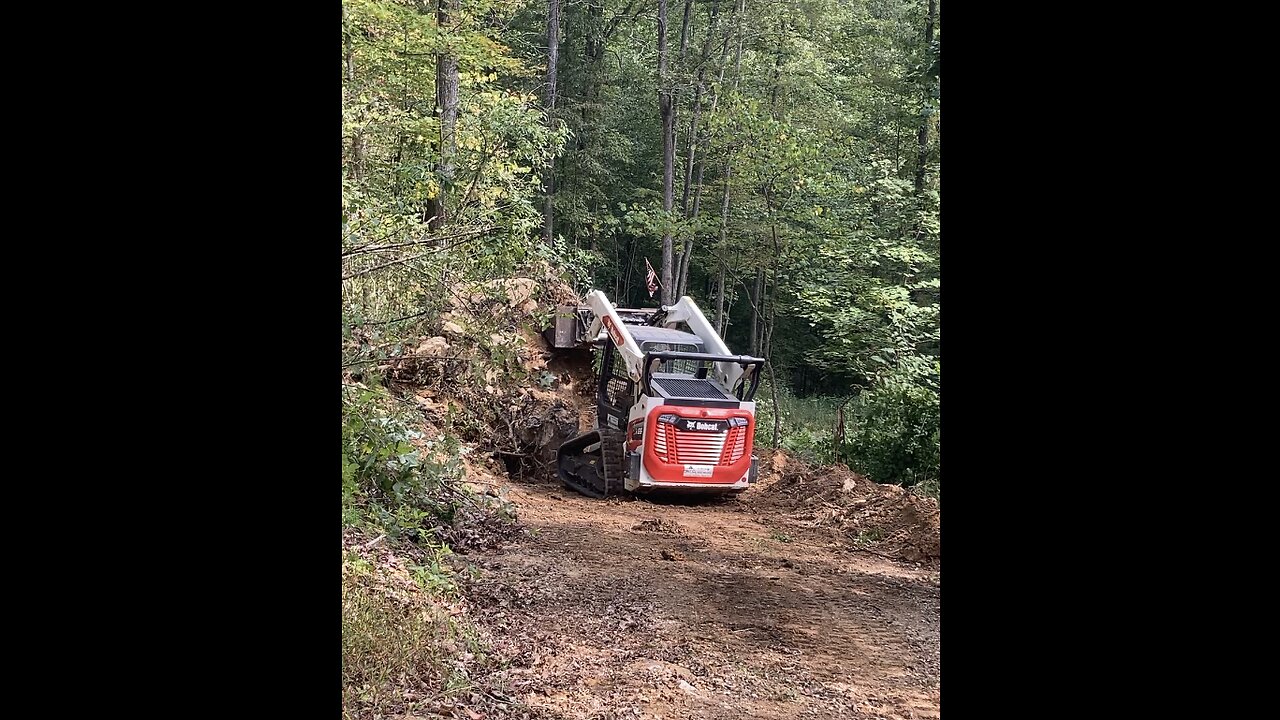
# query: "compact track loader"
674,408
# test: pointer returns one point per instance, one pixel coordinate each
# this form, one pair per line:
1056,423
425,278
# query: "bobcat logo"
690,424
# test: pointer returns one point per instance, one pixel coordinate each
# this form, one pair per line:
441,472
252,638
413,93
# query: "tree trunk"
682,278
735,20
447,110
684,29
668,153
697,104
693,170
757,296
720,301
772,326
724,232
773,397
675,114
922,137
553,56
354,169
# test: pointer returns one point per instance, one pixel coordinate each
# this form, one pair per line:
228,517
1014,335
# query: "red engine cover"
693,451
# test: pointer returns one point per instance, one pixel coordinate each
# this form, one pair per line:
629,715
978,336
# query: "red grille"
701,448
674,445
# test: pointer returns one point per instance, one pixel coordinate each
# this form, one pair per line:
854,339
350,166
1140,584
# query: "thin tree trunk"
757,296
777,67
773,288
699,90
668,153
694,137
447,109
724,231
772,326
553,57
355,168
720,301
675,107
922,137
773,396
897,143
631,268
693,148
682,278
396,175
684,29
735,22
757,309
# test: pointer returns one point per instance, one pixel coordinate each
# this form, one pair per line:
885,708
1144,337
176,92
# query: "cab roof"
649,333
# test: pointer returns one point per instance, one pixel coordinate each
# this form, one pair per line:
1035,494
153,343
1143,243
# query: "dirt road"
627,608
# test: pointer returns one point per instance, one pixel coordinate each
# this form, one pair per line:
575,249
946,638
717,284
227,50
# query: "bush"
387,482
896,436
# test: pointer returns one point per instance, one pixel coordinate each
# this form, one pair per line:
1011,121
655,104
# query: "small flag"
651,280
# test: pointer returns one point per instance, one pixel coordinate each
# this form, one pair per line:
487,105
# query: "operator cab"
684,378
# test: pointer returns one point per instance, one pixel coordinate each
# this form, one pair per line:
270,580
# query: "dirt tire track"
628,608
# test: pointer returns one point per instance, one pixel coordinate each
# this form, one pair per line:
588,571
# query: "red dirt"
882,518
729,608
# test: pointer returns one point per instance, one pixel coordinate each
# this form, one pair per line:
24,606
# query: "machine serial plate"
698,470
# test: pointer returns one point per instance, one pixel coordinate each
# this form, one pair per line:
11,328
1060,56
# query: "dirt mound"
658,525
483,373
866,514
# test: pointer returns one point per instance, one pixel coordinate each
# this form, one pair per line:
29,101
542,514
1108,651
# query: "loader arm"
687,311
608,319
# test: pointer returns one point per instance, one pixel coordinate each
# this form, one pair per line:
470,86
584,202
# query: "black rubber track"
597,474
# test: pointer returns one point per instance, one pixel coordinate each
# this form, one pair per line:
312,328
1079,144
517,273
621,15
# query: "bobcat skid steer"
674,408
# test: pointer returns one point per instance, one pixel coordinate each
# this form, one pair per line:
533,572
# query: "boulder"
433,347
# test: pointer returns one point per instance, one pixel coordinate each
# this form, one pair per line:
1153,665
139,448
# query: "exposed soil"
730,608
813,594
883,519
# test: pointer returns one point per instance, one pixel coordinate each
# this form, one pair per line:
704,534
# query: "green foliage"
809,170
434,574
896,439
812,445
806,424
387,482
891,430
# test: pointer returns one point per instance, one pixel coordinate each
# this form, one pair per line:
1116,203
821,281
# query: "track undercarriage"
591,463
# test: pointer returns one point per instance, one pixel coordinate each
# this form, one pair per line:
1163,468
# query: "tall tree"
692,160
355,166
553,57
922,136
446,110
668,156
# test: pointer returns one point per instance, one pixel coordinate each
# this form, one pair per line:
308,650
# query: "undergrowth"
890,432
394,480
400,645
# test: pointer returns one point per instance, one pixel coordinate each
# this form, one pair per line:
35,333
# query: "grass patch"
401,647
